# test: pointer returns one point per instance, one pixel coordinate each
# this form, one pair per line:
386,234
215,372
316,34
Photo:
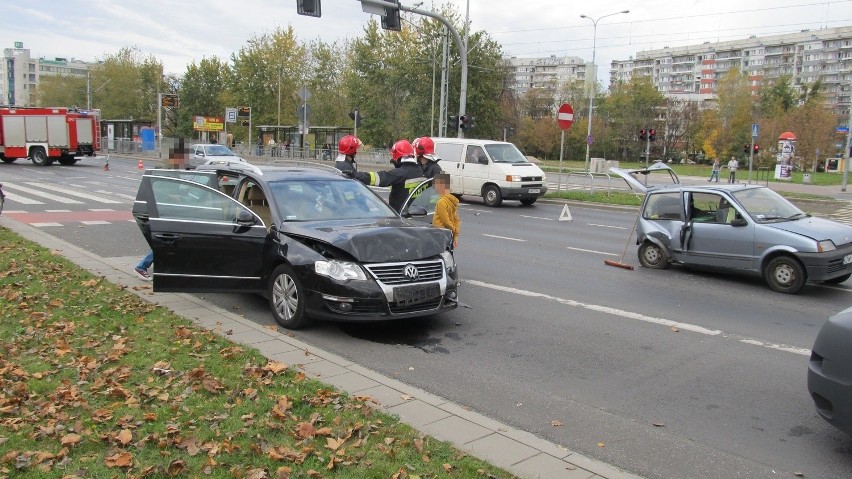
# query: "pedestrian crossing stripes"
50,205
33,193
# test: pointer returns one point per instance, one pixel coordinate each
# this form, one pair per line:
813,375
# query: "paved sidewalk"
519,452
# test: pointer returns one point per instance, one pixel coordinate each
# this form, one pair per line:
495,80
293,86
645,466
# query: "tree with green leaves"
129,81
203,92
628,108
61,90
734,112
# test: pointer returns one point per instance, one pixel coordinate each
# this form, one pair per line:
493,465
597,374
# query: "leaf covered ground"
97,383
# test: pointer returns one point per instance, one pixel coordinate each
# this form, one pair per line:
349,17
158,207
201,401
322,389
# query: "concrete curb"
514,450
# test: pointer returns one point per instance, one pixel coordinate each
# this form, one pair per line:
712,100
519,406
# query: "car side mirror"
245,218
482,160
414,210
739,222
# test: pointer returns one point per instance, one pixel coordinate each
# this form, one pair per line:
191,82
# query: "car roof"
725,187
465,141
276,173
207,144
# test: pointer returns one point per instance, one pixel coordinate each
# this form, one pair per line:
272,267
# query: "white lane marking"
641,317
591,251
21,199
40,225
475,209
536,217
57,211
76,193
100,210
503,237
42,194
94,223
607,226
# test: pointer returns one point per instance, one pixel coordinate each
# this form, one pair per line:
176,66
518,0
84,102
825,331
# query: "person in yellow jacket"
447,208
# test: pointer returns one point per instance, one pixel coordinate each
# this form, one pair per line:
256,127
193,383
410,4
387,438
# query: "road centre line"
641,317
475,209
503,237
536,217
607,226
591,251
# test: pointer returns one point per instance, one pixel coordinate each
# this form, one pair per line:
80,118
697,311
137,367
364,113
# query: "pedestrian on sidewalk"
732,169
447,208
142,267
714,172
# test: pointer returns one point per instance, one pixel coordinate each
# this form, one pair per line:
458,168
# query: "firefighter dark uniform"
402,179
347,148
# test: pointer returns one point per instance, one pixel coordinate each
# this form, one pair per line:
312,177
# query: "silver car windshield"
765,205
505,153
320,200
219,150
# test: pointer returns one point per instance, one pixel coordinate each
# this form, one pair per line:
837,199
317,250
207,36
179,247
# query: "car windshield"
765,205
505,153
313,200
219,150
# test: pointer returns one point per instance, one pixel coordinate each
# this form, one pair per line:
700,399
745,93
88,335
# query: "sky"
181,32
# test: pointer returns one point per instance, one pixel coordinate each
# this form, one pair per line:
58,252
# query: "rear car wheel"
491,195
9,160
785,274
286,298
838,279
652,256
528,201
39,156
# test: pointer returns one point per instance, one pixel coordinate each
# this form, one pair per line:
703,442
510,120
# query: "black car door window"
186,200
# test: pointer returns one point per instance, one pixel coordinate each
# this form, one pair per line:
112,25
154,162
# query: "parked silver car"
737,227
203,153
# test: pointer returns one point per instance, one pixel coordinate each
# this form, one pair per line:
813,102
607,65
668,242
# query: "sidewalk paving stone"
500,450
418,413
455,430
545,466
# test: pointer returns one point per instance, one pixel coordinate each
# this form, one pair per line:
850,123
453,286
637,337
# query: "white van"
494,170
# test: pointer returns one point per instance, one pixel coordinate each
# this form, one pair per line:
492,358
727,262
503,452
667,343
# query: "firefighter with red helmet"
425,149
347,148
402,179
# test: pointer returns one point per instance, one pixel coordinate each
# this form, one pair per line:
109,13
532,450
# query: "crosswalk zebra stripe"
78,194
40,194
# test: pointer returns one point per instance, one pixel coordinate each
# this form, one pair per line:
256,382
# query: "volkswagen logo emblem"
411,272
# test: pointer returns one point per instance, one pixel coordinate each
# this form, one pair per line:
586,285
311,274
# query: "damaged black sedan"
316,244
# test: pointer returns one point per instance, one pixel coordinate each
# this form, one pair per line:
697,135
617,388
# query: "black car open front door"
203,240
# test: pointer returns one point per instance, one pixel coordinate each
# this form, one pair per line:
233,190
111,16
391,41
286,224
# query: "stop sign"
565,117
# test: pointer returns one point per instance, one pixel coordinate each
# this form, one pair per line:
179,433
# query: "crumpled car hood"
818,229
379,241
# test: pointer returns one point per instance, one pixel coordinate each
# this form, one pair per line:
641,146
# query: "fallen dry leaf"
675,329
600,444
406,397
555,423
119,459
799,474
70,439
447,467
124,437
660,424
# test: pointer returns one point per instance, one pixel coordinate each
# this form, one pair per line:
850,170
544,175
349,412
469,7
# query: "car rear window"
663,206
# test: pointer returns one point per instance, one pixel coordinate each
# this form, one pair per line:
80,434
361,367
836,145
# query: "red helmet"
401,148
349,145
424,146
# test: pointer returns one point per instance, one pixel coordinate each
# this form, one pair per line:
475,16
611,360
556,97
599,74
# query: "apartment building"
20,74
547,72
805,56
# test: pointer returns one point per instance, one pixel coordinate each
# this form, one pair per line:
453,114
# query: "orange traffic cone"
140,165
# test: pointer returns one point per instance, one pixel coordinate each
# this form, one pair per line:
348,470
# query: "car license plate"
405,295
535,190
847,259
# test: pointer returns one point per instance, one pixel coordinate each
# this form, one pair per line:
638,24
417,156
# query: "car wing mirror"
739,222
245,218
414,210
482,161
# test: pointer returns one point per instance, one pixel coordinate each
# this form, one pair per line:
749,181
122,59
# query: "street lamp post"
594,79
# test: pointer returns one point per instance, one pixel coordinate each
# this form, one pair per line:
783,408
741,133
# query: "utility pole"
846,154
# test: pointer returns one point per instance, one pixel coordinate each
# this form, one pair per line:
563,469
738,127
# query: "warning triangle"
566,215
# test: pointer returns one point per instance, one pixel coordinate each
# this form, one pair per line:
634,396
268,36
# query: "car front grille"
837,265
432,304
530,178
394,273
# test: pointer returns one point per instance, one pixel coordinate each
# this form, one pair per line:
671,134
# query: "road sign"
244,111
565,117
755,129
304,94
303,112
230,115
590,140
170,100
842,129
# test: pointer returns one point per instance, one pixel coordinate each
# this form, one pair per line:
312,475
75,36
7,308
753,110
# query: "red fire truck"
46,135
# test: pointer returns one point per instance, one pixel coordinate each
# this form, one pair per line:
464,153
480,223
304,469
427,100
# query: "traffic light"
643,135
357,117
391,20
244,111
466,122
310,8
652,134
756,148
745,149
453,122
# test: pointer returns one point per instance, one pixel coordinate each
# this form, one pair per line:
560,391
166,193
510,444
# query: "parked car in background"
202,153
830,371
741,228
316,244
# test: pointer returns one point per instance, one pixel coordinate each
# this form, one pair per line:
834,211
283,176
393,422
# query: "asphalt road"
668,374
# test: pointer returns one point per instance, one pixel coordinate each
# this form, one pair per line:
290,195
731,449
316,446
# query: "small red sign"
565,117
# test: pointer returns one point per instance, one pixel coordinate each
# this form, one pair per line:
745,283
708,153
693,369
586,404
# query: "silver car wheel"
285,296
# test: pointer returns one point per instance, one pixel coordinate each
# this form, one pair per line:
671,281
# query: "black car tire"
491,195
785,274
838,279
652,256
286,298
528,201
9,160
39,156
